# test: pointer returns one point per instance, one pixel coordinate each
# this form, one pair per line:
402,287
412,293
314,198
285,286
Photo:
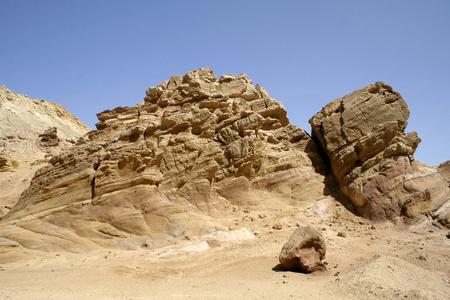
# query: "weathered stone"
175,165
49,138
372,158
22,120
444,170
304,251
7,163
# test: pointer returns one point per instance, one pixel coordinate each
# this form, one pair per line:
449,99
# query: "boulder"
363,136
304,251
7,163
49,138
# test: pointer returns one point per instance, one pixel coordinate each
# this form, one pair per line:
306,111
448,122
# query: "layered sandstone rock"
179,165
363,135
49,138
199,151
7,163
444,170
31,130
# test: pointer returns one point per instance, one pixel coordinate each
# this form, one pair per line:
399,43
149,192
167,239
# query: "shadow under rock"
279,268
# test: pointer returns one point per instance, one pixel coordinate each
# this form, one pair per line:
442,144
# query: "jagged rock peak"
196,86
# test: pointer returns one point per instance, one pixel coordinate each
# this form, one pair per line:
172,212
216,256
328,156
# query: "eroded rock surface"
201,152
363,135
49,138
7,163
25,142
304,251
179,165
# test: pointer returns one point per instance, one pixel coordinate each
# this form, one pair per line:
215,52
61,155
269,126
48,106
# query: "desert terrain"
192,194
370,260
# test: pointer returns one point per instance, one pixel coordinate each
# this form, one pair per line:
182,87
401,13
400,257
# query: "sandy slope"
380,261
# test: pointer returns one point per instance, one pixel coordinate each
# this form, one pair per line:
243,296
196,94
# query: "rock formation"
22,149
363,137
444,170
23,119
49,138
199,151
178,165
7,163
304,251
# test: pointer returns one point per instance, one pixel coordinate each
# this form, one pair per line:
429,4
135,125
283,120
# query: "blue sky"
92,55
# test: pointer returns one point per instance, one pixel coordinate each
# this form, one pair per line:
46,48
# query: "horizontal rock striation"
178,165
363,135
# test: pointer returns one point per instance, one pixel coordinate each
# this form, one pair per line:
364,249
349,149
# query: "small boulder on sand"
304,251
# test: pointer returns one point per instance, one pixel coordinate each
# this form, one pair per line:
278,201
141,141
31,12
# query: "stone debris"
49,138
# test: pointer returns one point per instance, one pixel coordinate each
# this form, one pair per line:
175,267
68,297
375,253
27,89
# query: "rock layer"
199,151
178,165
24,142
363,135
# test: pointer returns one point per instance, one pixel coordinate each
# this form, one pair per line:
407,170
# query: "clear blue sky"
92,55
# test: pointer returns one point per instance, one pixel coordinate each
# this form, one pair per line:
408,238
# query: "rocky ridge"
23,120
23,116
201,154
195,154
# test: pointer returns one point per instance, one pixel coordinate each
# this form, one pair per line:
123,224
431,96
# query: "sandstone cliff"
363,136
201,153
183,163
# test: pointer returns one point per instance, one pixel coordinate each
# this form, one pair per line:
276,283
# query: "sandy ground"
371,261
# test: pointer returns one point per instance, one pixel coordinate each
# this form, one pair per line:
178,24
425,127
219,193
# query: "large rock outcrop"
201,151
363,136
178,165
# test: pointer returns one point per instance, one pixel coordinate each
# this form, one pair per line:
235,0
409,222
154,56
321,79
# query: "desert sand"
367,260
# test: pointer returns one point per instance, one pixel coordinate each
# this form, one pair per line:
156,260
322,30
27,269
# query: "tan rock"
304,251
444,170
7,163
25,142
49,138
372,157
176,165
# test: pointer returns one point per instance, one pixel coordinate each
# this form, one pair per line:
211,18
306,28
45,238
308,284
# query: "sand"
372,261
